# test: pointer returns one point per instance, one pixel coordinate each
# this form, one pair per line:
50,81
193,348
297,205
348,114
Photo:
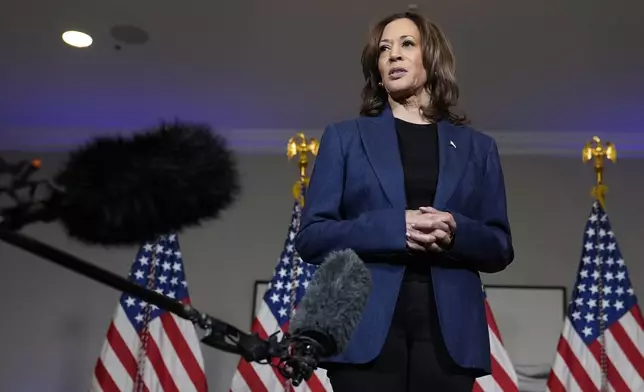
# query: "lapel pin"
452,144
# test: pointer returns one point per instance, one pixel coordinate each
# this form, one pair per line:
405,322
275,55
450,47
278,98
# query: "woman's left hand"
432,230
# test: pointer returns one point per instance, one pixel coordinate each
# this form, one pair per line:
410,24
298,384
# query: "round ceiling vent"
130,35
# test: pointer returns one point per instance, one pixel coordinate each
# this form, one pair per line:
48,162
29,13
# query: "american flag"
503,377
285,290
601,346
148,348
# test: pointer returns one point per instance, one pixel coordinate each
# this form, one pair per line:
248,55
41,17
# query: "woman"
420,197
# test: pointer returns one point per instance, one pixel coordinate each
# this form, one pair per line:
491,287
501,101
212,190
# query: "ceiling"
551,65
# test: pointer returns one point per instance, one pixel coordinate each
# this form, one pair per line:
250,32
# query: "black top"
418,144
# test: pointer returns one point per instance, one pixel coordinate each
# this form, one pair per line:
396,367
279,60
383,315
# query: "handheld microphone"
126,191
329,312
334,301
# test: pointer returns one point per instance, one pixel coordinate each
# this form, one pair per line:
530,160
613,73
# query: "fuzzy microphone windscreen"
334,301
125,191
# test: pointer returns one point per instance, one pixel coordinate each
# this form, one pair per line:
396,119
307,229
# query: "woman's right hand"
429,225
412,217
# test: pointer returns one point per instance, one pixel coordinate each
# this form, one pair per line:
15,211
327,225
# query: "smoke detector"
129,35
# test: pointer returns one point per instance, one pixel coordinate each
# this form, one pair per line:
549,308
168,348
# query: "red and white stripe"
253,377
503,377
577,365
173,362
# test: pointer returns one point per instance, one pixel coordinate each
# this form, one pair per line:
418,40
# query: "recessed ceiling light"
77,39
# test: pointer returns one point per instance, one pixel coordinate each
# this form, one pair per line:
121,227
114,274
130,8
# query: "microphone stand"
218,334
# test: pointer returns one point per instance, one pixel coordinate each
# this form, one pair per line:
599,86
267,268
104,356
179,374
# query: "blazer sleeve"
323,227
486,241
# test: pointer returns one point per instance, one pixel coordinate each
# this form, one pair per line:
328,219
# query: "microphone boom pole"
216,331
218,334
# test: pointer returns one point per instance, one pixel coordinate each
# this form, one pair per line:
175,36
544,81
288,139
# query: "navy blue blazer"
356,199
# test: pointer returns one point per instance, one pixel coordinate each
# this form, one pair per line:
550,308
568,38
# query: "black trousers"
414,357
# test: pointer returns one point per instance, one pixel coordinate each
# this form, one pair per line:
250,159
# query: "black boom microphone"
321,327
125,191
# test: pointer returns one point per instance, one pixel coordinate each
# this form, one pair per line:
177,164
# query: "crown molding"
273,141
565,144
530,143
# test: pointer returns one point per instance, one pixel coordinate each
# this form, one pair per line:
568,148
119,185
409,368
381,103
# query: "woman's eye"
408,43
383,48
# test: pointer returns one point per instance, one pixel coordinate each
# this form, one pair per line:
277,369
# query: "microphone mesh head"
335,299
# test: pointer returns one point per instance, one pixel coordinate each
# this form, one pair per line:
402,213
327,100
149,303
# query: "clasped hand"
429,229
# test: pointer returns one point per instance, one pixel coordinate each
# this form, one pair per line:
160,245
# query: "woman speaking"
420,197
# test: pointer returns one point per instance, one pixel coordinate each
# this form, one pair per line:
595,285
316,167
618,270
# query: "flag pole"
595,151
299,146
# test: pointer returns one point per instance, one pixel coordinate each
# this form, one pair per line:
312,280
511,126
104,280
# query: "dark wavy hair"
438,60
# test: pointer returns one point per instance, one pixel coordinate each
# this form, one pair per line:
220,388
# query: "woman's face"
401,59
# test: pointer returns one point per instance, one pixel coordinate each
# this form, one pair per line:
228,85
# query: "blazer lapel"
453,152
381,144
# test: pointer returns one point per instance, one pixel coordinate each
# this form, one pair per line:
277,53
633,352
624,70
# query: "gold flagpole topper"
595,151
299,146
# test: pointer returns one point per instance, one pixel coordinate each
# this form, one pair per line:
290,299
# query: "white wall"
54,322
